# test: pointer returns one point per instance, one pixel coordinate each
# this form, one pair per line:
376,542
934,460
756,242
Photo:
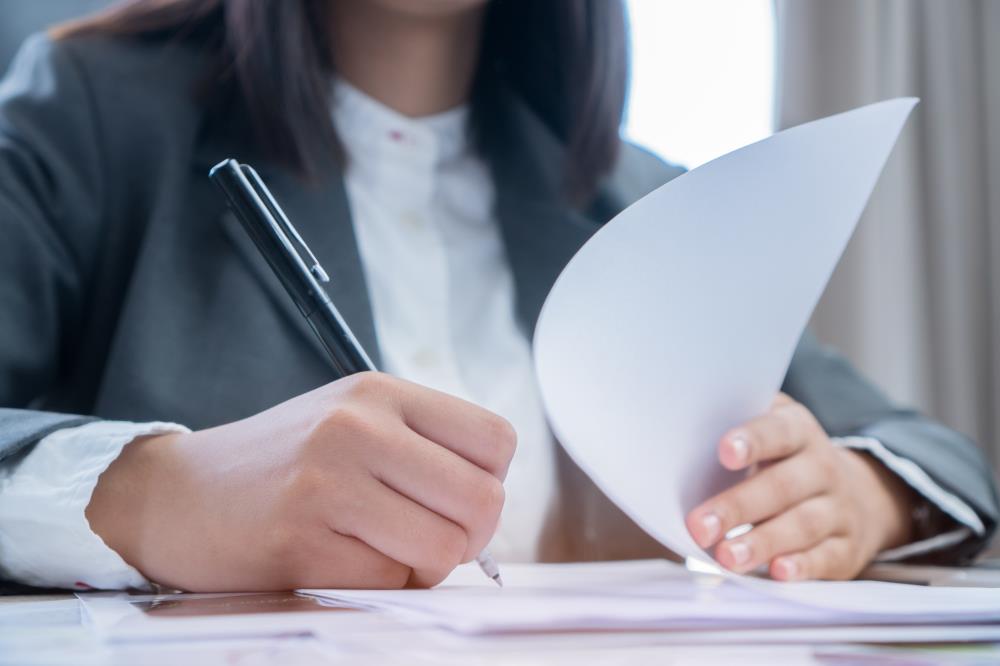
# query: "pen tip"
498,580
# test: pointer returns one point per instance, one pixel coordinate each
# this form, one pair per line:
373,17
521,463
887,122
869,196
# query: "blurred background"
915,303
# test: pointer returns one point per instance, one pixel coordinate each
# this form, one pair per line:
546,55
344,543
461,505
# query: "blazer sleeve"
846,405
50,209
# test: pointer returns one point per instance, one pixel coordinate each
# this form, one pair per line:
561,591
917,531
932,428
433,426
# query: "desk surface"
49,630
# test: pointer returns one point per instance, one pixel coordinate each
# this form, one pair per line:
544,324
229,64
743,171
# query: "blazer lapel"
541,231
540,239
320,212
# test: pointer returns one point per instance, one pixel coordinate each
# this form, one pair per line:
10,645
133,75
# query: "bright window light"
702,76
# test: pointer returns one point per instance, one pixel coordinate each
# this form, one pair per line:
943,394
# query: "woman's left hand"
818,510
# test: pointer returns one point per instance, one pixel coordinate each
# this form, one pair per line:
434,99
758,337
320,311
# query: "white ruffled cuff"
45,538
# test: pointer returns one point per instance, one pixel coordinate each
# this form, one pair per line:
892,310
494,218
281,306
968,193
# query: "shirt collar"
364,123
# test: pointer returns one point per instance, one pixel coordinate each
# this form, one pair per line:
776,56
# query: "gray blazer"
128,292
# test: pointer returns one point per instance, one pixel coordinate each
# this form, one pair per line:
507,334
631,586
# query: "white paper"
678,319
644,595
651,594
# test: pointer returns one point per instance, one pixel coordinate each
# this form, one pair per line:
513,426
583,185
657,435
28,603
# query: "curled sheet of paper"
678,319
674,323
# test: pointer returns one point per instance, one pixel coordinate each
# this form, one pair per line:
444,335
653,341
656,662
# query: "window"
702,76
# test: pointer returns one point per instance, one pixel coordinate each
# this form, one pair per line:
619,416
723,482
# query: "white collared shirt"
442,299
441,289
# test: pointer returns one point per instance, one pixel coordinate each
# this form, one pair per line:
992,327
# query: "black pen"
291,260
301,274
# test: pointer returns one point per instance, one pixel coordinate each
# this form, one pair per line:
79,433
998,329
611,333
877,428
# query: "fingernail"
786,568
739,449
740,552
711,527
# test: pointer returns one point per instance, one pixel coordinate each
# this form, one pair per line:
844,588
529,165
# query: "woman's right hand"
369,481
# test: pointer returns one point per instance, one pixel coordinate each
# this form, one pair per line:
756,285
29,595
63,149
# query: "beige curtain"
916,300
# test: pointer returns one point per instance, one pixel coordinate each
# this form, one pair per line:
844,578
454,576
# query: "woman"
444,159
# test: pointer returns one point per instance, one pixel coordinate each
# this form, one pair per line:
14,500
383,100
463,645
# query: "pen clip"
297,242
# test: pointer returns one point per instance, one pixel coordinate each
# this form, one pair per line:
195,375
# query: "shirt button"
426,358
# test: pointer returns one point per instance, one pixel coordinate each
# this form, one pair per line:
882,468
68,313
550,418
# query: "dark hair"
567,60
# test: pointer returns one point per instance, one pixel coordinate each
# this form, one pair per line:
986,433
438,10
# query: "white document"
678,319
639,595
649,595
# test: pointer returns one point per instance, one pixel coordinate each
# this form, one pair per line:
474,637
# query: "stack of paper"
652,595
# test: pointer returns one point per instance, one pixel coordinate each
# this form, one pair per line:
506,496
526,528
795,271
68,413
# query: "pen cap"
253,208
291,260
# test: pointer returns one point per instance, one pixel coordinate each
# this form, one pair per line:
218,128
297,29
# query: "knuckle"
810,523
808,417
450,548
787,423
305,482
803,417
491,499
824,561
796,411
782,399
753,433
783,491
348,422
501,442
364,386
816,564
827,463
839,563
503,436
729,513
